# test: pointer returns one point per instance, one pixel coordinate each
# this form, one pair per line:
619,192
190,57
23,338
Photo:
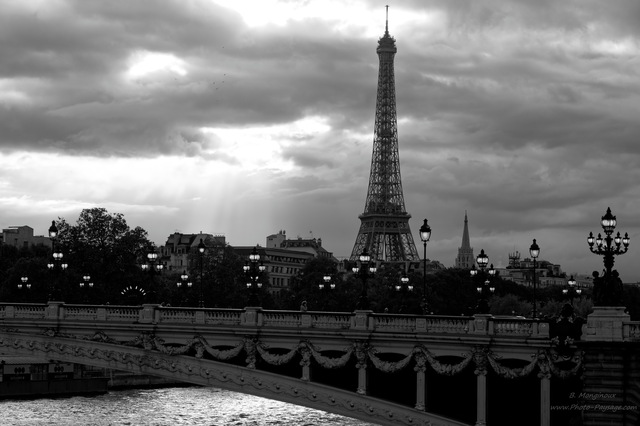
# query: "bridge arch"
205,372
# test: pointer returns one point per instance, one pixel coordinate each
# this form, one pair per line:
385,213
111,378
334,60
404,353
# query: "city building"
281,264
22,237
308,245
175,252
521,272
465,259
284,258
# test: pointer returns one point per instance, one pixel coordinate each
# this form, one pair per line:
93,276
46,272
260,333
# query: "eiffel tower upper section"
384,229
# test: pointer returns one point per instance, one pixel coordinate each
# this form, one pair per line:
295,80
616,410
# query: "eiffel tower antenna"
384,228
386,25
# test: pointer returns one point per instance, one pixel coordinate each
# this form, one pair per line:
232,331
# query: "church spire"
465,234
465,257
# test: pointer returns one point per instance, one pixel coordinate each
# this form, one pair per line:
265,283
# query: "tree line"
102,246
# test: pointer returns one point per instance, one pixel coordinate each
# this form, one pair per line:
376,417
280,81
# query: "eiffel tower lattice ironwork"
384,228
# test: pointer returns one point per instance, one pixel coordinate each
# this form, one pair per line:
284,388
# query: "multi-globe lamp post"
534,251
184,281
425,236
325,286
403,285
485,287
152,267
364,269
26,285
571,289
201,249
57,264
253,271
609,293
85,285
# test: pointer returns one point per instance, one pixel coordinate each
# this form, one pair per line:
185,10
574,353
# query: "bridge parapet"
257,317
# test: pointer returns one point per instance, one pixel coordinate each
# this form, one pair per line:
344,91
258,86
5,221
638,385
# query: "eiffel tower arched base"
387,238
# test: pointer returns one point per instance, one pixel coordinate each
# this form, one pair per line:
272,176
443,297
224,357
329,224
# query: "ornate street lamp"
325,287
402,286
571,288
57,264
254,272
404,283
425,236
86,282
534,251
482,260
152,267
201,249
184,281
326,280
364,270
609,291
24,283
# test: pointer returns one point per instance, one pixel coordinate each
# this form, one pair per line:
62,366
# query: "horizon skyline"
245,118
524,255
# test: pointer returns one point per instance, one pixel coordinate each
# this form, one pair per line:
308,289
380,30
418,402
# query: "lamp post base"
605,323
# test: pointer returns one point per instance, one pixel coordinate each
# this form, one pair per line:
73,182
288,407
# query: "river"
165,406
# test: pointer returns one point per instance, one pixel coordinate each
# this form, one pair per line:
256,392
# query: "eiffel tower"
384,228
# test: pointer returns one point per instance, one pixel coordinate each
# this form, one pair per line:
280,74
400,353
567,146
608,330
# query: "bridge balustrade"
359,320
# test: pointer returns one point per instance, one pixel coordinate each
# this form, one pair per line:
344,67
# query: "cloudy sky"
244,118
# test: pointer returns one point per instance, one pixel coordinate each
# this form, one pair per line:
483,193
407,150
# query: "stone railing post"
101,314
541,329
252,316
9,311
200,316
54,311
482,324
148,314
305,320
362,321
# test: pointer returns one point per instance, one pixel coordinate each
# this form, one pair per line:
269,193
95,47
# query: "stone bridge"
382,368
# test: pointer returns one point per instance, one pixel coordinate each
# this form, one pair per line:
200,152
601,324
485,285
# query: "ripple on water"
183,406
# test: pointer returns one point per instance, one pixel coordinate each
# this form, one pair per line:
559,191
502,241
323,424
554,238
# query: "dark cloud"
523,113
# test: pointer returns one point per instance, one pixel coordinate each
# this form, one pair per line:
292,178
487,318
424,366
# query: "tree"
105,247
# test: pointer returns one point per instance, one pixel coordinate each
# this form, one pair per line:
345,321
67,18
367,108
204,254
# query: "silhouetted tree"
102,245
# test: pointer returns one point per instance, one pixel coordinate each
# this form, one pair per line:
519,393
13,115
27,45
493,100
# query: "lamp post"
57,264
201,249
570,289
152,267
404,285
254,272
425,236
363,271
184,280
608,292
86,282
325,287
482,260
534,251
24,283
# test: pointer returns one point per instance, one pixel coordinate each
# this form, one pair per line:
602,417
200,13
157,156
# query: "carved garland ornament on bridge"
546,360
